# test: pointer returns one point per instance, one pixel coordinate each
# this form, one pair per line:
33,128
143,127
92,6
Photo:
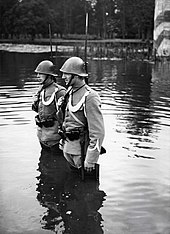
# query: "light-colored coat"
87,112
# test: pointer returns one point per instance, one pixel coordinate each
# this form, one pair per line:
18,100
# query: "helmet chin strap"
72,77
45,80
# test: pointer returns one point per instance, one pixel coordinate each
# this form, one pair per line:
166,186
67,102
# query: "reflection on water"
134,173
72,205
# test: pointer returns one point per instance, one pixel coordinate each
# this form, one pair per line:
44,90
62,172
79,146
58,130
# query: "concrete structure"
162,28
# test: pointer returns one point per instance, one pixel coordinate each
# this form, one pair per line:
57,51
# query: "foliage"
107,18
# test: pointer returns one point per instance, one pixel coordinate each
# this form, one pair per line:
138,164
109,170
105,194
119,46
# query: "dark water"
37,192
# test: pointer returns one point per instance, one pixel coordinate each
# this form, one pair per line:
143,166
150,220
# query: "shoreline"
96,49
59,41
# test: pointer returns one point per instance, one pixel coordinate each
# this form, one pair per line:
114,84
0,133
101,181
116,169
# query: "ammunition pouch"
71,135
46,124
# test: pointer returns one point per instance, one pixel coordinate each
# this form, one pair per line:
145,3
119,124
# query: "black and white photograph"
85,116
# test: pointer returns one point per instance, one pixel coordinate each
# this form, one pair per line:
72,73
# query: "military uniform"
85,116
46,105
47,123
83,126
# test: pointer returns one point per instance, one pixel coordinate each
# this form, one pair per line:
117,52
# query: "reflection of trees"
160,79
105,71
136,85
126,91
130,95
16,68
72,205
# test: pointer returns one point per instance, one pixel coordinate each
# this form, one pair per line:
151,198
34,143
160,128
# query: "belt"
46,123
72,134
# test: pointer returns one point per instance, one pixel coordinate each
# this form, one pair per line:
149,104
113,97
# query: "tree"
136,17
107,18
143,19
4,7
29,18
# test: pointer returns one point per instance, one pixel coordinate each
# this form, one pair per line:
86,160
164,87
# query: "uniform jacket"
46,105
86,113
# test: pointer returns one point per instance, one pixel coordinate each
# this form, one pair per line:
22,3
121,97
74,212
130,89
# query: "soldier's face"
67,78
41,77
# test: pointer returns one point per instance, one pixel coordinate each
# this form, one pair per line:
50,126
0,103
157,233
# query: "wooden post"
51,49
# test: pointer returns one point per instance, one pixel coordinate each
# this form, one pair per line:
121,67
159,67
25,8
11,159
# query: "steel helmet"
74,65
46,67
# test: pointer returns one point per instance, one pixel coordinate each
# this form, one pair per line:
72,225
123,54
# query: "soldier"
46,104
83,126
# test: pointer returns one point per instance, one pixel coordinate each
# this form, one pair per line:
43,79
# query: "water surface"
133,193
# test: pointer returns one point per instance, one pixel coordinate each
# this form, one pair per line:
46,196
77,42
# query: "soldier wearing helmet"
46,104
82,117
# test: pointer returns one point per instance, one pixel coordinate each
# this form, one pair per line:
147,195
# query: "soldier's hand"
60,100
89,166
35,98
